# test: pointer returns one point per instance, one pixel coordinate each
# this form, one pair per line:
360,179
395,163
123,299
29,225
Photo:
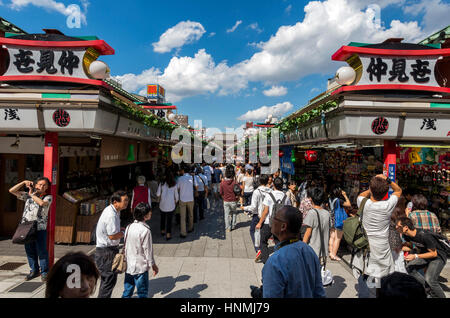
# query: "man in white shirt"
108,234
257,208
268,212
185,185
201,183
376,219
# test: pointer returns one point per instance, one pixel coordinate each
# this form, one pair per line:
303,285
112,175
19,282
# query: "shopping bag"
257,238
327,277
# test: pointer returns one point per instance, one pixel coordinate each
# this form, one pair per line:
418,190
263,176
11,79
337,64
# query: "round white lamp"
345,75
99,70
172,117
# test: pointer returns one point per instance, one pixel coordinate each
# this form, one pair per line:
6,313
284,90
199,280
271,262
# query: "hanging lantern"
311,155
154,152
281,153
131,156
293,159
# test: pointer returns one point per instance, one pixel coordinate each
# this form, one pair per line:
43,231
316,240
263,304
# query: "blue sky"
276,58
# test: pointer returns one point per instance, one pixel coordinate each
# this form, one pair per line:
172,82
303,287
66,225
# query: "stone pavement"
209,263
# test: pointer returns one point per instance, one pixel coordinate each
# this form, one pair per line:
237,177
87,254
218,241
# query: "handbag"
119,264
26,231
327,277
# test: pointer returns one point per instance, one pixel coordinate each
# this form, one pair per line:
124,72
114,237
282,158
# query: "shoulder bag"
26,231
119,264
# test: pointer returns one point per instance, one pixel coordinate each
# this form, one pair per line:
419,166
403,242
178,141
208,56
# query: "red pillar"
390,161
51,156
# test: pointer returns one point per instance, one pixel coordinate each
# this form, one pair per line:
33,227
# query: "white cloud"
183,33
234,27
188,76
314,90
275,91
435,14
292,53
255,26
262,112
306,47
211,34
51,5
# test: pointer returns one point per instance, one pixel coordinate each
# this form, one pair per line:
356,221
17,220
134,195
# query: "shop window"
34,167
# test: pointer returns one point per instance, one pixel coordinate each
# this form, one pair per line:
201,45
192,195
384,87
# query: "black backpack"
237,189
442,241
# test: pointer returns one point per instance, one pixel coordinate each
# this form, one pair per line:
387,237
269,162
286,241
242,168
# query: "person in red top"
229,198
141,193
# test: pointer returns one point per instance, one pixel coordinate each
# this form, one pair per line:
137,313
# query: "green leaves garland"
148,120
294,123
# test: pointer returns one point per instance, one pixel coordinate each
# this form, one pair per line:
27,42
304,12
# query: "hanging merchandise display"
131,156
311,155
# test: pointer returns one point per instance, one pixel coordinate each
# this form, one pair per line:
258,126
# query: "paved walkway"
208,263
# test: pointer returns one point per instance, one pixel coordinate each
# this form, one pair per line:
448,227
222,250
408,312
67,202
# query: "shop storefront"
391,116
87,136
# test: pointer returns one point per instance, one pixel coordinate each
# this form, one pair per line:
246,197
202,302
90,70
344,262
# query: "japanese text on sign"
398,70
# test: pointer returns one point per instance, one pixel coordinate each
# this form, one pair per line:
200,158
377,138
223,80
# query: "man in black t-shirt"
427,254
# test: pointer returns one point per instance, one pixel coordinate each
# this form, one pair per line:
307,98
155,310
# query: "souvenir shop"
74,126
380,125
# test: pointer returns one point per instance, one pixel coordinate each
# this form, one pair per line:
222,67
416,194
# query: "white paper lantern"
345,75
99,70
172,117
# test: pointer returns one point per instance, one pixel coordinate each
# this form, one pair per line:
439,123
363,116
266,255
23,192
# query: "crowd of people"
292,227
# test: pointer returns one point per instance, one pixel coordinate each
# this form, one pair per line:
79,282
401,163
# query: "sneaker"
44,277
258,257
32,275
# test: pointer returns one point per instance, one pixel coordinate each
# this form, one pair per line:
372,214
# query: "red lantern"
154,152
311,155
281,153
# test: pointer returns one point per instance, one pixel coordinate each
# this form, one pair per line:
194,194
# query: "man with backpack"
273,201
315,217
430,253
375,222
256,208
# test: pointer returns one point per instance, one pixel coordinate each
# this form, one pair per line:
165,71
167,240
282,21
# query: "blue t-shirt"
216,176
293,271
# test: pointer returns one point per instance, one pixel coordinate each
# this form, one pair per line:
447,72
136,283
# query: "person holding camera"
37,204
376,220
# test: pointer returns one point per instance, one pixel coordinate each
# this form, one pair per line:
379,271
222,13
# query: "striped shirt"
425,220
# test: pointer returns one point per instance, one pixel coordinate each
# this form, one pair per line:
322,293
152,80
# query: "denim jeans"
230,211
434,268
199,206
37,253
248,198
139,281
255,220
266,233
